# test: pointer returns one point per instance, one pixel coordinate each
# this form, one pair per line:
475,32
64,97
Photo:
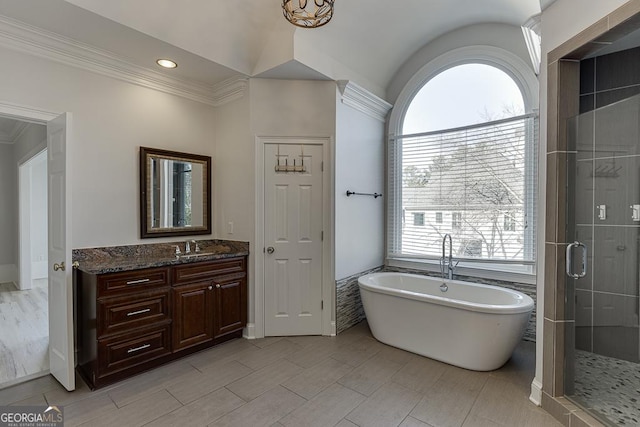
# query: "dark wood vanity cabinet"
230,305
193,314
132,321
210,301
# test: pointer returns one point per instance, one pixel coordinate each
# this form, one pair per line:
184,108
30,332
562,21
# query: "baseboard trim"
249,332
536,392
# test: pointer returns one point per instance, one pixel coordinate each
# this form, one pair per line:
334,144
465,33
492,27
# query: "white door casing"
293,228
61,354
24,206
30,189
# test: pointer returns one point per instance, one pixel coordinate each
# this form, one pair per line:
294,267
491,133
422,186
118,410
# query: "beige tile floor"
349,380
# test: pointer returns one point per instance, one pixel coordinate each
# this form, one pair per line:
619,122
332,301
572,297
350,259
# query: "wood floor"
24,331
349,380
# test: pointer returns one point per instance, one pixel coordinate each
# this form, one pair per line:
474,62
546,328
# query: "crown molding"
362,100
11,137
230,90
26,38
26,113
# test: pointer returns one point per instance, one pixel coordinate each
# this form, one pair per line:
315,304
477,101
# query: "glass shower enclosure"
602,354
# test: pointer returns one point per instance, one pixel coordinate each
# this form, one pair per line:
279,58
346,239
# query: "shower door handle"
569,260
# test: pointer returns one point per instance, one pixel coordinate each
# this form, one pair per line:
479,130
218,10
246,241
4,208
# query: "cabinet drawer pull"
133,313
142,347
135,282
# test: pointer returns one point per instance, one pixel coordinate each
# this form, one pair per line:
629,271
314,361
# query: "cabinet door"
231,305
192,314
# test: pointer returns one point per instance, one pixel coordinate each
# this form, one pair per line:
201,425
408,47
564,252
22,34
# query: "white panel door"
293,240
61,356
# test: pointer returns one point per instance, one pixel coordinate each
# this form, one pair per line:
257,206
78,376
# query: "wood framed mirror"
175,193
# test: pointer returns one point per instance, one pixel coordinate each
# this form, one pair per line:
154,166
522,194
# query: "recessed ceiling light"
166,63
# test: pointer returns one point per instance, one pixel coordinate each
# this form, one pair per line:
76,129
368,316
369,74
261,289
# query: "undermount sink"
194,255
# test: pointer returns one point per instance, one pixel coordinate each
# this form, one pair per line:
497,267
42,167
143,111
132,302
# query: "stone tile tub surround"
349,310
131,257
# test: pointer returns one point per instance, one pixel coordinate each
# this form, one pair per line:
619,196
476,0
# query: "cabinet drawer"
202,270
132,281
119,314
125,351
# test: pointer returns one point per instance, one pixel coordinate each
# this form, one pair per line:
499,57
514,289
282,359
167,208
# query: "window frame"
525,78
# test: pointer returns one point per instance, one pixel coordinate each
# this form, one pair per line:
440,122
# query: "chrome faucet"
187,248
444,261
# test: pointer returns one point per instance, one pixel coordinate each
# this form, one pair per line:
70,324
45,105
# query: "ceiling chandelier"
308,14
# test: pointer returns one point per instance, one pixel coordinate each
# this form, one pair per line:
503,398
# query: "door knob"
210,287
60,266
217,285
270,250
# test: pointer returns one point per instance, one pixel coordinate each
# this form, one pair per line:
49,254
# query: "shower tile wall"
607,162
609,78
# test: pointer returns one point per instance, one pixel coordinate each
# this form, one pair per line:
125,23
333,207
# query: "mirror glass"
175,193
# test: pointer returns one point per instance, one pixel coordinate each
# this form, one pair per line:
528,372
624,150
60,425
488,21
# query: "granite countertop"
114,259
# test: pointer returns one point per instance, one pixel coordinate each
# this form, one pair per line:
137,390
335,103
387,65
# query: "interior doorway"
60,280
24,333
293,230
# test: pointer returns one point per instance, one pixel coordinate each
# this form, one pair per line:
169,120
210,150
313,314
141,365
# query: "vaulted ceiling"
212,40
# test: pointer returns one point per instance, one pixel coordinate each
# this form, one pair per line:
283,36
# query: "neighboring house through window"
509,222
456,220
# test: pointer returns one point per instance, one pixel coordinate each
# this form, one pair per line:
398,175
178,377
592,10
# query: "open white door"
61,356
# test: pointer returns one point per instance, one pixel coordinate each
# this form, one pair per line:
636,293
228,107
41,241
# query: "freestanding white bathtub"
471,325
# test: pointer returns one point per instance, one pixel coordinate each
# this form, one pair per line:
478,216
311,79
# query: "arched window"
464,158
461,96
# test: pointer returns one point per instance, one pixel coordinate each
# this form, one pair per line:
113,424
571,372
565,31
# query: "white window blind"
475,177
